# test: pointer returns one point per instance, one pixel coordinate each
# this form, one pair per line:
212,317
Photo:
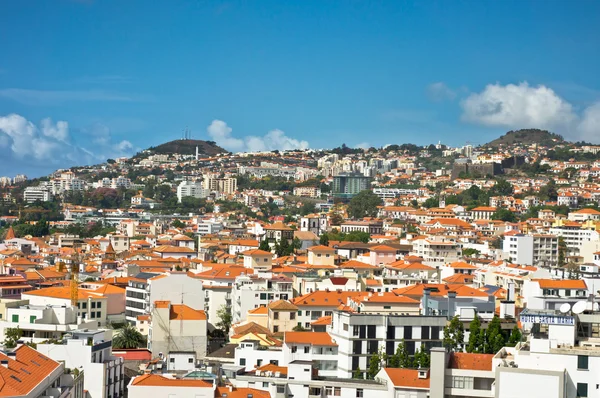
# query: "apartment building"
251,291
435,251
146,288
227,185
194,189
177,328
574,236
359,335
315,223
550,294
536,249
33,194
370,227
315,305
90,351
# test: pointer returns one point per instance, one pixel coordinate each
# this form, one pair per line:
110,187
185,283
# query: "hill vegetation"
528,137
188,147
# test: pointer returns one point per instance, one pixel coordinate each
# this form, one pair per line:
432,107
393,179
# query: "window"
328,391
292,315
32,319
294,348
84,305
275,315
307,313
465,382
190,360
582,362
15,318
299,313
172,360
280,389
93,304
93,314
263,296
275,329
306,349
98,314
359,393
99,305
337,391
242,361
345,327
328,313
265,384
355,331
582,390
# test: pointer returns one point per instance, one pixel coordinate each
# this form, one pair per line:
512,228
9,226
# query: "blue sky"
84,80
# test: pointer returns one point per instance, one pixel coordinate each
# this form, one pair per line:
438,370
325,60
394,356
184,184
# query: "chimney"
451,304
426,293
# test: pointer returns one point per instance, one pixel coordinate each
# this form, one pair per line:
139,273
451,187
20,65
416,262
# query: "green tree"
225,319
283,248
494,340
178,224
454,335
515,337
296,244
503,214
324,240
501,188
11,336
422,359
374,366
264,246
476,343
128,337
364,204
562,251
469,252
400,359
357,373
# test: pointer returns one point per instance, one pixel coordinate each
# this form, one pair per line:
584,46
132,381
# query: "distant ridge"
188,147
528,137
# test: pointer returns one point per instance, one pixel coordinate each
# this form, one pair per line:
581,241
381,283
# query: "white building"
252,291
191,188
146,288
575,236
90,352
41,193
538,249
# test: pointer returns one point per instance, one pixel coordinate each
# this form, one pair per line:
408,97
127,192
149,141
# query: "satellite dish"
566,307
579,307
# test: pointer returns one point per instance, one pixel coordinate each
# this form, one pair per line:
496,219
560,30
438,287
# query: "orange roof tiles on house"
311,338
64,292
387,297
461,265
262,310
173,249
239,392
10,234
181,312
470,361
562,283
322,321
156,380
282,305
256,252
460,278
439,290
324,298
24,372
283,370
321,249
406,378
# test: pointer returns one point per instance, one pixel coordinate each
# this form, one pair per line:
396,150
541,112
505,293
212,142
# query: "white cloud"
220,132
363,145
524,106
589,128
440,91
50,143
276,139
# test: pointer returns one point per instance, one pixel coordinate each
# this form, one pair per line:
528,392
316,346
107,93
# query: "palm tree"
128,337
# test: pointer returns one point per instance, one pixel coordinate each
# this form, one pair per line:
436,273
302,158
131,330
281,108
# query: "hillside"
188,147
527,137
